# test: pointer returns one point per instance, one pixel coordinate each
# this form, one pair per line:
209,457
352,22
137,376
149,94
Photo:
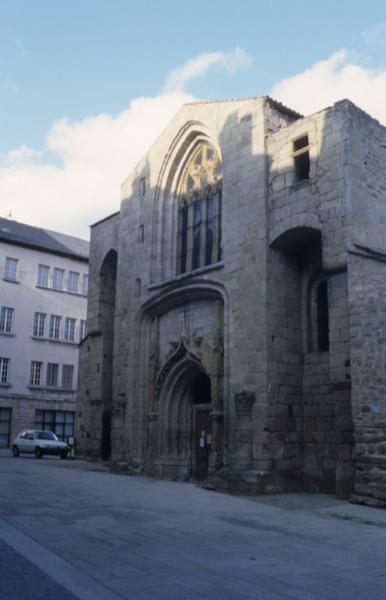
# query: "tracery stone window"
199,210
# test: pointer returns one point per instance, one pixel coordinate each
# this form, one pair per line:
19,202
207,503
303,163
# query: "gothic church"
237,305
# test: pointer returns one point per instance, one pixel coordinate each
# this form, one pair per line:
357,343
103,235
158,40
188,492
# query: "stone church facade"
237,304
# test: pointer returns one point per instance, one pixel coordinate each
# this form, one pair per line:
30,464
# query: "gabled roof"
274,103
37,238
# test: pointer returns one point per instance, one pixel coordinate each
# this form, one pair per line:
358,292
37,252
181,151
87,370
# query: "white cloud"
93,156
333,79
179,78
96,154
20,156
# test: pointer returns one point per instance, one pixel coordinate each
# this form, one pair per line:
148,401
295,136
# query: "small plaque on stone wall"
244,402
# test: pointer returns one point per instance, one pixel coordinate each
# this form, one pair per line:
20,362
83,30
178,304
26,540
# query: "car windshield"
45,435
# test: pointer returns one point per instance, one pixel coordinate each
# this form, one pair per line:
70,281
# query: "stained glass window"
199,210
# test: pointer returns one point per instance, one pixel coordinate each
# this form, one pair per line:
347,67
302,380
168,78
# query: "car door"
20,441
29,445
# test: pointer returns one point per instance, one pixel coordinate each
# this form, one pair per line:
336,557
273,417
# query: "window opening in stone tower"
142,186
322,317
138,288
199,210
301,156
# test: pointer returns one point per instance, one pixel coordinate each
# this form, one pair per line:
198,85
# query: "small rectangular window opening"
138,288
142,185
301,156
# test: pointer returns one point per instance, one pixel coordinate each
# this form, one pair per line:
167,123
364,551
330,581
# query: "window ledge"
51,289
8,333
298,185
56,390
10,280
54,340
202,270
6,384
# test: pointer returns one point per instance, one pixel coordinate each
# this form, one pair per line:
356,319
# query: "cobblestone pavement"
104,537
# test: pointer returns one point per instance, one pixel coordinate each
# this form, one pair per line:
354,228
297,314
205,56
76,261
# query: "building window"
301,155
141,234
10,271
67,377
36,372
58,279
52,375
85,285
199,210
4,370
69,329
39,320
82,329
72,283
43,273
55,327
61,422
6,319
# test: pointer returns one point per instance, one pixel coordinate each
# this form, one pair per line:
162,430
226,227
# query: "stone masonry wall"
367,285
365,233
321,438
285,410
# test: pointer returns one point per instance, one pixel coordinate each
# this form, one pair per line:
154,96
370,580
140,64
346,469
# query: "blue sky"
81,59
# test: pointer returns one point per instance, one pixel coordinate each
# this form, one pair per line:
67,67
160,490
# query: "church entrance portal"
186,425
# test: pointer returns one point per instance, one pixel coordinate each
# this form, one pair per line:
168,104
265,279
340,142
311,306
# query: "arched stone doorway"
186,422
180,341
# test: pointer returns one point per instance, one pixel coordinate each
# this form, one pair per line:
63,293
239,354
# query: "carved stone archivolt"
175,357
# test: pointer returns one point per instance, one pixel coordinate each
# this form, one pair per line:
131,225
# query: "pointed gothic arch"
185,425
167,221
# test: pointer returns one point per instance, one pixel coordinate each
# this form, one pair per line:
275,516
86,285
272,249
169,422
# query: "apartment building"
43,300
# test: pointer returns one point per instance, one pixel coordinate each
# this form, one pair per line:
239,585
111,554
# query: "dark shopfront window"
60,422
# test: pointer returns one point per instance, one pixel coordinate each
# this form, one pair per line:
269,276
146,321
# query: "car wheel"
63,455
15,451
38,453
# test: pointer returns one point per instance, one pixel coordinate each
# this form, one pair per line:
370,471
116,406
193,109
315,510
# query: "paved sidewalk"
115,536
20,578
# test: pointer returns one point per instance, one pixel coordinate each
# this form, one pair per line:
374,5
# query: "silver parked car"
39,442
